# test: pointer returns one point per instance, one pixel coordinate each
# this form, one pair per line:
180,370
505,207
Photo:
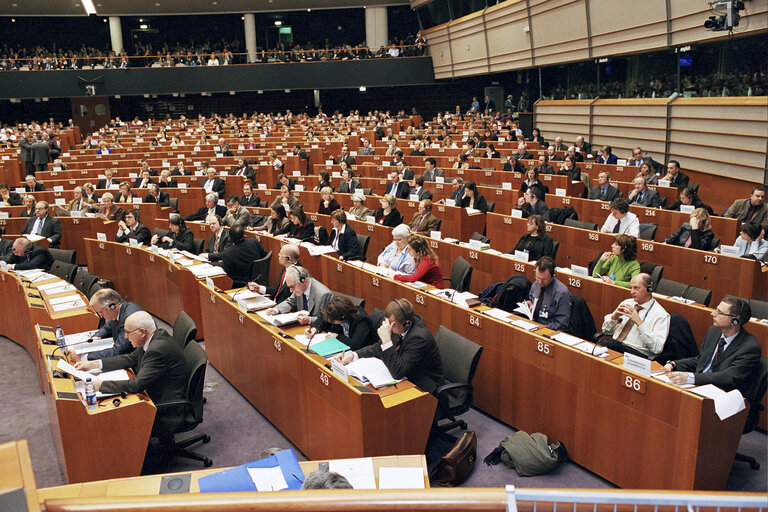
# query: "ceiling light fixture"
88,6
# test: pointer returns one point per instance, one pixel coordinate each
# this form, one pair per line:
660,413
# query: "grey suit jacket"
319,296
115,329
431,175
651,198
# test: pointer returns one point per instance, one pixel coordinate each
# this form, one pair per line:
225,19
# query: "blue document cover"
238,479
328,347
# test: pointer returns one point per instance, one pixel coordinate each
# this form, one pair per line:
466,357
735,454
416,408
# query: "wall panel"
559,30
468,45
621,26
509,45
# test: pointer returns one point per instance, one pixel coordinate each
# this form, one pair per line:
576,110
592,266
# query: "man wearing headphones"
553,299
287,258
406,346
238,258
729,356
640,325
111,306
131,228
308,295
27,255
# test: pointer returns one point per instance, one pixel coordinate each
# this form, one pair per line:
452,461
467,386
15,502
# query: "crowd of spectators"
219,53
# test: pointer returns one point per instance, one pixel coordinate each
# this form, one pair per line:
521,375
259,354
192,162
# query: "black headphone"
407,318
302,274
736,318
112,305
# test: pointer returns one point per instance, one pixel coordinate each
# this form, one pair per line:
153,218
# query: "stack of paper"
56,288
206,270
281,320
524,308
66,303
401,478
371,370
317,250
359,472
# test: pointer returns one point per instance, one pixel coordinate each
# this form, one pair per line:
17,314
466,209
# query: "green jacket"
622,269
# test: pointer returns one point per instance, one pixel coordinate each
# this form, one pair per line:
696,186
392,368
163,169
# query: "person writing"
349,323
309,296
427,266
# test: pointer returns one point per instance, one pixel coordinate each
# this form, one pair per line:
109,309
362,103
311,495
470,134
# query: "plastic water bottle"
60,337
90,395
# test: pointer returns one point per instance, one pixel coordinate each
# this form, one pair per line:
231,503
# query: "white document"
268,479
206,270
470,211
317,250
359,472
58,288
726,403
588,347
34,238
401,478
498,314
71,339
567,339
528,326
664,378
94,346
524,309
58,308
113,375
64,366
62,300
317,338
373,370
281,320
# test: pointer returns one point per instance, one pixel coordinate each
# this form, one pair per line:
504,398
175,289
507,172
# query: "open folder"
240,479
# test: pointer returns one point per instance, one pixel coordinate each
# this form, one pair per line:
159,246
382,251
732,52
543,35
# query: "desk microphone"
448,295
309,343
690,289
89,340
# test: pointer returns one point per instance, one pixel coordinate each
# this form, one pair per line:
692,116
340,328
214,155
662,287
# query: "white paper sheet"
62,300
58,308
401,478
268,479
567,339
359,472
726,403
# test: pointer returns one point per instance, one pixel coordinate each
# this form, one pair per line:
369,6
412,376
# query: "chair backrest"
648,231
159,232
655,271
363,241
439,224
714,244
673,288
66,271
759,308
680,342
461,274
197,245
755,394
5,246
263,204
64,255
357,301
480,236
491,206
592,226
460,356
555,247
366,191
96,286
260,269
196,359
84,280
173,202
184,329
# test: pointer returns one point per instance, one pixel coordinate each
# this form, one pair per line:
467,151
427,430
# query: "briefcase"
458,463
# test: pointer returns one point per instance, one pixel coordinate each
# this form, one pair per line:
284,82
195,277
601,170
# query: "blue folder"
238,479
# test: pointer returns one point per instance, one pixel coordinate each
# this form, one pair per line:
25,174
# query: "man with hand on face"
552,298
26,255
406,346
218,241
309,295
131,228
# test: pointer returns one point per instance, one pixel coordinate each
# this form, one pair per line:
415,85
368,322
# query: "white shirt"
650,335
630,224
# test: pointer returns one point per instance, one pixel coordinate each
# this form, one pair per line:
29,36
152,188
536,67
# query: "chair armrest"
452,386
174,403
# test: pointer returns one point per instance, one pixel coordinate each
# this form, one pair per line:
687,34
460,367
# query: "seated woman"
473,198
688,196
387,214
351,324
427,265
533,181
751,242
29,206
325,181
90,193
276,221
358,208
299,227
619,265
327,203
570,169
607,156
178,237
396,255
109,208
536,242
695,234
343,238
166,180
103,149
536,137
646,171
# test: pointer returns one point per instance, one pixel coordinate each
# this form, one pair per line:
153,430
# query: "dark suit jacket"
41,153
238,259
202,213
392,220
348,188
303,233
51,229
408,174
140,233
681,180
119,197
349,159
359,330
539,209
651,198
39,257
612,159
161,370
14,199
280,291
39,187
457,195
163,198
218,185
699,239
291,184
349,248
169,184
319,296
422,194
525,156
248,172
735,368
424,226
115,329
480,203
253,201
177,172
225,242
137,183
102,184
403,189
183,241
414,357
611,193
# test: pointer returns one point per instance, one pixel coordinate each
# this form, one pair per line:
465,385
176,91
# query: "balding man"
211,208
213,184
309,295
287,257
79,203
558,145
522,152
115,310
43,225
26,255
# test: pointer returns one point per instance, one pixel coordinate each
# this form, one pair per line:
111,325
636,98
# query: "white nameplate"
638,364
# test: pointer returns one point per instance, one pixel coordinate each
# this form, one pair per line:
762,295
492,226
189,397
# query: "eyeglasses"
127,332
724,314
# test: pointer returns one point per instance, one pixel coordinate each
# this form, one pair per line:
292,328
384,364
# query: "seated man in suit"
675,176
157,196
212,183
249,198
345,156
180,170
26,255
604,191
115,310
431,172
423,221
730,355
405,173
343,238
243,169
553,299
160,368
43,225
236,213
640,324
418,190
397,188
238,259
406,346
348,184
457,194
32,185
219,240
283,180
522,152
79,203
621,220
300,152
8,198
641,195
309,295
143,180
145,167
211,208
532,203
125,195
131,229
752,209
286,258
582,147
108,182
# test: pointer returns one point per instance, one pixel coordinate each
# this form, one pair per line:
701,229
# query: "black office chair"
260,269
173,202
357,301
655,271
491,206
555,247
714,244
66,271
680,342
461,275
159,232
582,224
439,224
673,288
460,358
184,329
759,308
197,245
96,286
263,204
648,231
755,398
192,406
64,255
84,280
5,246
363,241
366,191
479,236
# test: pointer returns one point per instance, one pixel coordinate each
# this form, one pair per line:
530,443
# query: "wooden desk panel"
16,472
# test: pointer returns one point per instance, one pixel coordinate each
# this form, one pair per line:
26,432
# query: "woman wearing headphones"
427,266
619,265
178,237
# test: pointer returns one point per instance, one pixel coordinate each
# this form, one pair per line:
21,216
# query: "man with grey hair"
79,203
309,296
287,258
26,255
211,208
326,480
42,224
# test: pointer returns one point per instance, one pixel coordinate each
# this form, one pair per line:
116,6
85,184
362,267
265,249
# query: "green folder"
328,347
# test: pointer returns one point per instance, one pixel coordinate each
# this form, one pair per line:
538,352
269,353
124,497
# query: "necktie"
605,190
216,245
38,226
718,351
640,197
617,226
627,326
